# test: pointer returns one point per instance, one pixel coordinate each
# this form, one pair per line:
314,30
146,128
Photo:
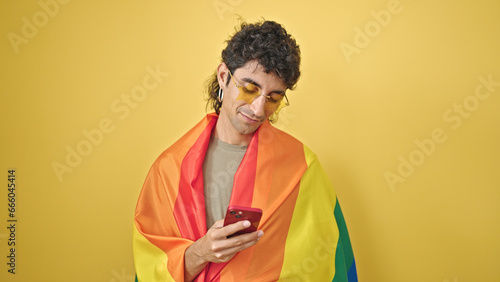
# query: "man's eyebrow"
249,80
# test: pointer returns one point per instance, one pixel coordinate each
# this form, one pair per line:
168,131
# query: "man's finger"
233,228
241,242
218,224
245,238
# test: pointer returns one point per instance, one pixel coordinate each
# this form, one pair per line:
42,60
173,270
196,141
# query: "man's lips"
249,119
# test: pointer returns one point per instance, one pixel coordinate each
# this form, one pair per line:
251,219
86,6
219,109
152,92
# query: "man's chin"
246,128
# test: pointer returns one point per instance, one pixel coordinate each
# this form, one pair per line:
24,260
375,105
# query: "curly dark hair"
269,44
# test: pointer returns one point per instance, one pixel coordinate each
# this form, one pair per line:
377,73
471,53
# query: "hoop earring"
220,95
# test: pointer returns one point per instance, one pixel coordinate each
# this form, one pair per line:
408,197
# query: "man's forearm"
193,264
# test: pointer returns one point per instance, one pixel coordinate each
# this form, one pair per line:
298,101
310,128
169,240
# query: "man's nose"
257,105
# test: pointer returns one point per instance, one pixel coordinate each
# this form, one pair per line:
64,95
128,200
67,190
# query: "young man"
236,157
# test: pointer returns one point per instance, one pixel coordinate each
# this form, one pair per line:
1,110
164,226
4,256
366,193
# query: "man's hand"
216,247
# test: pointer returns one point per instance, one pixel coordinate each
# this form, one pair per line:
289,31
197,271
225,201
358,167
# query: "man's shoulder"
269,133
181,146
281,137
287,147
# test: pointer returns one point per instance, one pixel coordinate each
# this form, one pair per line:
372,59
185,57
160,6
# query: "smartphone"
236,213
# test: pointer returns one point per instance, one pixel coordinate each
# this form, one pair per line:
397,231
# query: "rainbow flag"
305,235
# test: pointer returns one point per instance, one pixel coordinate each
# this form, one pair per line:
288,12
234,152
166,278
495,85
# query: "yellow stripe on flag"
150,261
313,234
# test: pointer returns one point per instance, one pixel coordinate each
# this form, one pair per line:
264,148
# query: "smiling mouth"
249,119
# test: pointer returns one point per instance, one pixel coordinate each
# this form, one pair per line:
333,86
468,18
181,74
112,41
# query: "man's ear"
222,75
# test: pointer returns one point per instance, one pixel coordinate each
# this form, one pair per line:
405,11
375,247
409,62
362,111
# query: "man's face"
244,118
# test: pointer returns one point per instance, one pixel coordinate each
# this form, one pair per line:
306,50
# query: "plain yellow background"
363,112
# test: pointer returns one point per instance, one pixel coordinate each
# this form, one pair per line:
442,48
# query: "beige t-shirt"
220,164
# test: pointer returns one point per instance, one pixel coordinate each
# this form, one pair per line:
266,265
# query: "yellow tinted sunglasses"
248,93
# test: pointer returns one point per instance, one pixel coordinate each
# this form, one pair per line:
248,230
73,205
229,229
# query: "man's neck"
225,132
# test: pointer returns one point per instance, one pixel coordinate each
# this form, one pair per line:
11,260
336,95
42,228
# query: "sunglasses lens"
246,95
249,94
277,106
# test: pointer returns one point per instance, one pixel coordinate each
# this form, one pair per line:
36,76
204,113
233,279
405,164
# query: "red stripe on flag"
244,178
189,210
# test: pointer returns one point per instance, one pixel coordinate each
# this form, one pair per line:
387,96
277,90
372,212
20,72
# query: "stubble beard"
241,125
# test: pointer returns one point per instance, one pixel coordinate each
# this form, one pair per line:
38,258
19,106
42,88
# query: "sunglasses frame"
283,102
